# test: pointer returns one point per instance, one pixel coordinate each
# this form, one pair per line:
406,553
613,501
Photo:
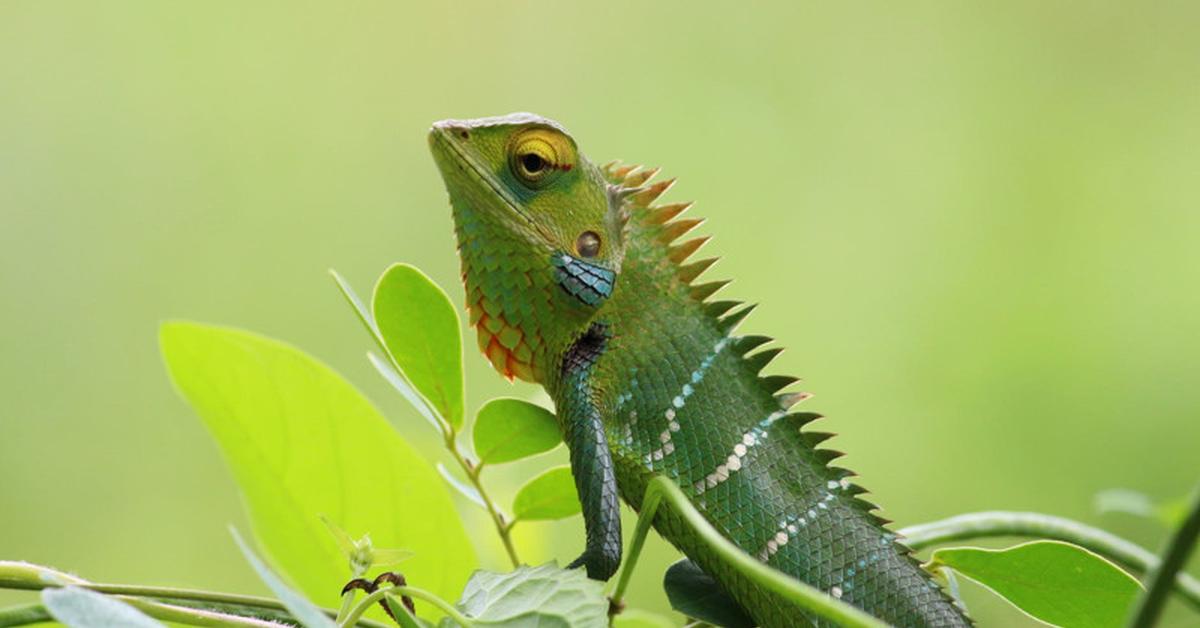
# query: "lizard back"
683,397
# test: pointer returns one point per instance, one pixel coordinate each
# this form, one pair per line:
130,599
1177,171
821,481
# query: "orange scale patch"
504,345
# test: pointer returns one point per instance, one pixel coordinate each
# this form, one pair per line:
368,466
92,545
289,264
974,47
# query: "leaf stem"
234,609
662,489
396,377
1159,579
990,524
415,592
472,471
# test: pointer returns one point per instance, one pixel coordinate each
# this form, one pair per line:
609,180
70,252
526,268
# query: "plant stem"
232,607
24,615
427,409
988,524
194,616
420,594
662,489
472,471
1160,577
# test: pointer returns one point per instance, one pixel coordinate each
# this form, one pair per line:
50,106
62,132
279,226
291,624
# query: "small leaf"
364,315
303,610
80,608
1124,500
548,496
301,442
390,557
411,396
464,489
1136,503
362,554
420,327
696,594
510,429
952,588
345,543
635,618
535,596
1055,582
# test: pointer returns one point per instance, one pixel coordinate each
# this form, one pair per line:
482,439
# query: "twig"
1146,613
990,524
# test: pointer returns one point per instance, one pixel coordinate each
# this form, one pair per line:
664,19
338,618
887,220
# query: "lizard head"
539,235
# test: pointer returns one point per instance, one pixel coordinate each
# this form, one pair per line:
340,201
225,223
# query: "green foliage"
1055,582
1169,513
80,608
533,596
306,447
548,496
361,553
420,328
696,594
303,610
634,618
302,442
511,429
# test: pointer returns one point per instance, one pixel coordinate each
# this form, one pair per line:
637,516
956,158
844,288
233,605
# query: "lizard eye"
538,156
588,244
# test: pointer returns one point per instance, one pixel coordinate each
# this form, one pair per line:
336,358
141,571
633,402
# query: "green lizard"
574,280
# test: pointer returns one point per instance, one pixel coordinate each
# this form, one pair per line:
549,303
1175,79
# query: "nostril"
454,128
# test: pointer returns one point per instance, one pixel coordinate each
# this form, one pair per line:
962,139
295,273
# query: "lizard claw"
600,565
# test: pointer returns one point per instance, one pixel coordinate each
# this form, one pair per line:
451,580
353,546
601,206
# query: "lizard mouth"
449,153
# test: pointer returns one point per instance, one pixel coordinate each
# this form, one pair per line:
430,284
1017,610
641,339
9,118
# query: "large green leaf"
548,496
299,606
510,429
302,443
535,596
79,608
1055,582
420,327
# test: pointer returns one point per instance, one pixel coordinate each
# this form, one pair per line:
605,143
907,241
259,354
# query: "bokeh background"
975,228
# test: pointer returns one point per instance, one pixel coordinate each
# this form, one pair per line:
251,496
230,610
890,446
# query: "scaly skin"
573,282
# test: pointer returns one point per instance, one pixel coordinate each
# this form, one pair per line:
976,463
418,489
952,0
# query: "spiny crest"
633,184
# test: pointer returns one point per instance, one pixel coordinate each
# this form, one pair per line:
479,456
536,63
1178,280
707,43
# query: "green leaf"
80,608
420,327
414,398
364,315
302,442
548,496
635,618
361,553
1136,503
303,610
1055,582
510,429
535,596
696,594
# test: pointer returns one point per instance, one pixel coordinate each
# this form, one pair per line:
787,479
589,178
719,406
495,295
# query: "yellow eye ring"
538,157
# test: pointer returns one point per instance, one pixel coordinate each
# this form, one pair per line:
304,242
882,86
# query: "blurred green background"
975,228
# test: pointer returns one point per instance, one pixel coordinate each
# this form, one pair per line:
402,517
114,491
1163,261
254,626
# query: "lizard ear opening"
588,244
